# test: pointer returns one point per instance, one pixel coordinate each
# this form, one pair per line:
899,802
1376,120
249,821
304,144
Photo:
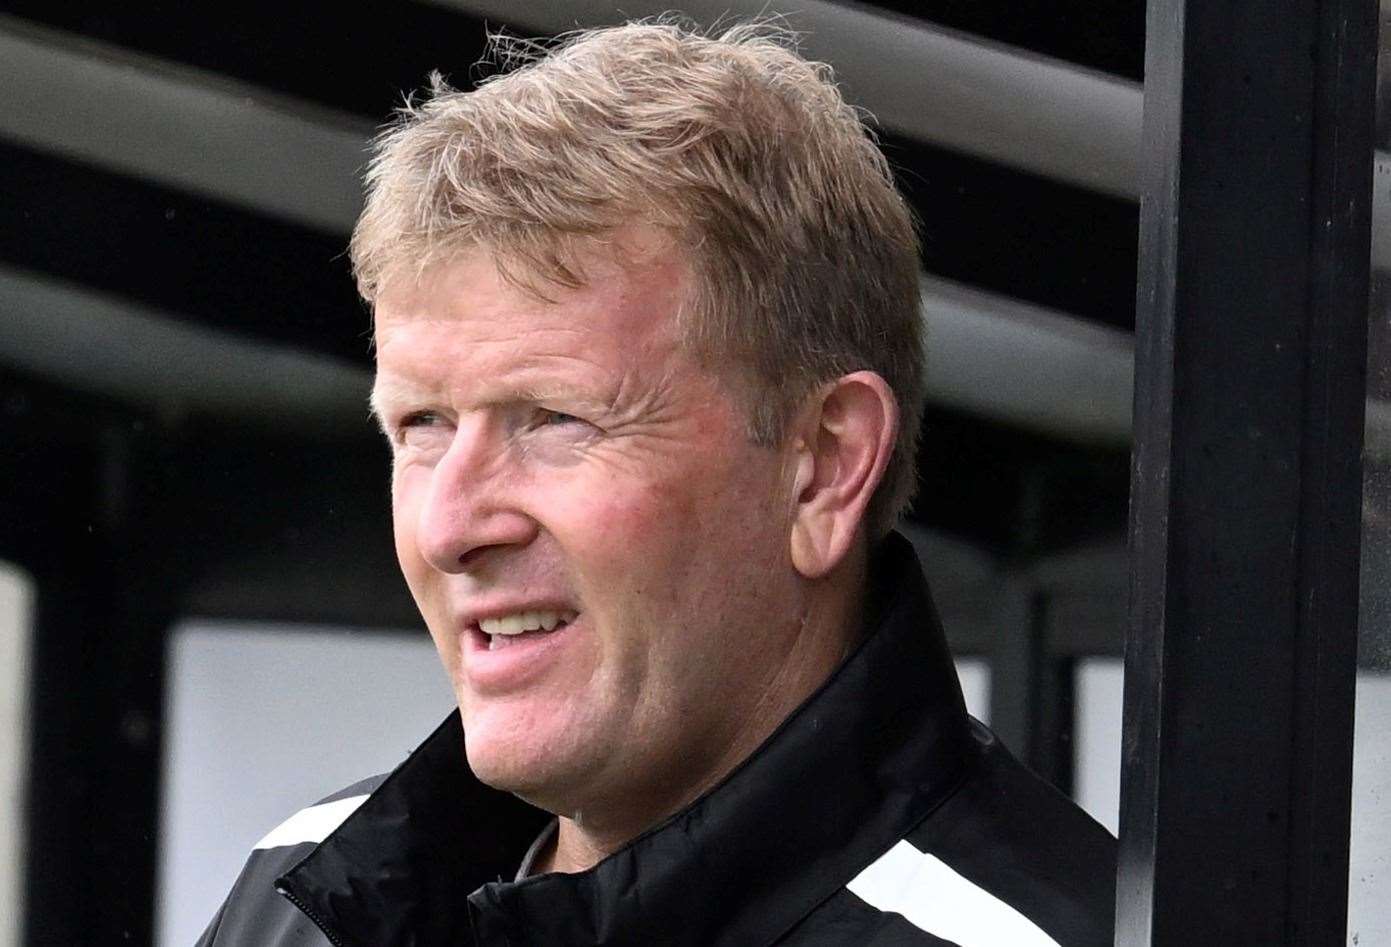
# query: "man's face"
567,462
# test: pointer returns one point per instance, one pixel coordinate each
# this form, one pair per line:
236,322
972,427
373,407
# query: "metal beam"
1020,109
1246,477
182,127
95,343
296,161
107,584
1040,369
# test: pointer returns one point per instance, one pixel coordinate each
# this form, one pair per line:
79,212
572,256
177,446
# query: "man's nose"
471,507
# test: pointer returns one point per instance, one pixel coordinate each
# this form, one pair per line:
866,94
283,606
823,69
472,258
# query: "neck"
828,630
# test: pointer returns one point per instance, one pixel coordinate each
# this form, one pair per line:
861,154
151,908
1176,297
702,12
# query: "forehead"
627,280
465,315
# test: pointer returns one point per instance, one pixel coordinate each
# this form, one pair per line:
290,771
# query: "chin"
502,767
514,759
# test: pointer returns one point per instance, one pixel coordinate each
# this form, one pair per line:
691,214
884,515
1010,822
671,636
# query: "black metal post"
109,575
1250,379
1014,665
1051,750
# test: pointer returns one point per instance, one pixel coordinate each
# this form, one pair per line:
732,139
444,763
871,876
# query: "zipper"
333,936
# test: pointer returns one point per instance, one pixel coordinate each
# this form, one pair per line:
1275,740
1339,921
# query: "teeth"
521,622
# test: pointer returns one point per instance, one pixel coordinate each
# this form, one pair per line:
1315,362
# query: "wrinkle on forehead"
463,332
641,291
630,251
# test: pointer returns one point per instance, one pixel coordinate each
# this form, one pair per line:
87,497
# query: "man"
648,360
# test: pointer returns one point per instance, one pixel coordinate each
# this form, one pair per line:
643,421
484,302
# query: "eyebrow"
386,392
392,391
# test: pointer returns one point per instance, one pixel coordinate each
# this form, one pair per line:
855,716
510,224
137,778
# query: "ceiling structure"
192,167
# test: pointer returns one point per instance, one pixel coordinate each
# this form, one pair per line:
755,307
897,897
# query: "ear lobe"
850,427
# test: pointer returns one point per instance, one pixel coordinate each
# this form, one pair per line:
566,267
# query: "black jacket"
878,814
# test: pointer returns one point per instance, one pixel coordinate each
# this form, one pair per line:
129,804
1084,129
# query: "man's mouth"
507,629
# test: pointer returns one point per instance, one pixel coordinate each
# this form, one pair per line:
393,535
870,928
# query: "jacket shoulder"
255,914
1004,859
1011,834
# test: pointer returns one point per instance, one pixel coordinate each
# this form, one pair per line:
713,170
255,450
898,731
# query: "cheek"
409,486
671,548
623,523
407,492
626,547
596,505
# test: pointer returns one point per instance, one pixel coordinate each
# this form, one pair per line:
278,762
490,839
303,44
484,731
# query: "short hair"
804,255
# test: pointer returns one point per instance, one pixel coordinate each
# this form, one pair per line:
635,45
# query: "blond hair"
804,255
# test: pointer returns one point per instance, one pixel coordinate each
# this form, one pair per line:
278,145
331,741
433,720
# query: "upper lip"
472,617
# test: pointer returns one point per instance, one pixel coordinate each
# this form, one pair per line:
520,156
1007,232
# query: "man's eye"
552,418
418,419
415,425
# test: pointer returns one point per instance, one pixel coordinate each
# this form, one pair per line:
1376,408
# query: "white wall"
1369,880
263,720
1096,736
16,611
975,686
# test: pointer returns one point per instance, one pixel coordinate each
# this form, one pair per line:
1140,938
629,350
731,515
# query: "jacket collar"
866,758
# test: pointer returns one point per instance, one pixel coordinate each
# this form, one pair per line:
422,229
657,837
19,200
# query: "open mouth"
508,630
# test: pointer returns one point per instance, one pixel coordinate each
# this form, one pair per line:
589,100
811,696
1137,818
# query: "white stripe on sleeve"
313,824
933,897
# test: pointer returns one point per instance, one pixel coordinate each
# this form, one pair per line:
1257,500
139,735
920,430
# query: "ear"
843,441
